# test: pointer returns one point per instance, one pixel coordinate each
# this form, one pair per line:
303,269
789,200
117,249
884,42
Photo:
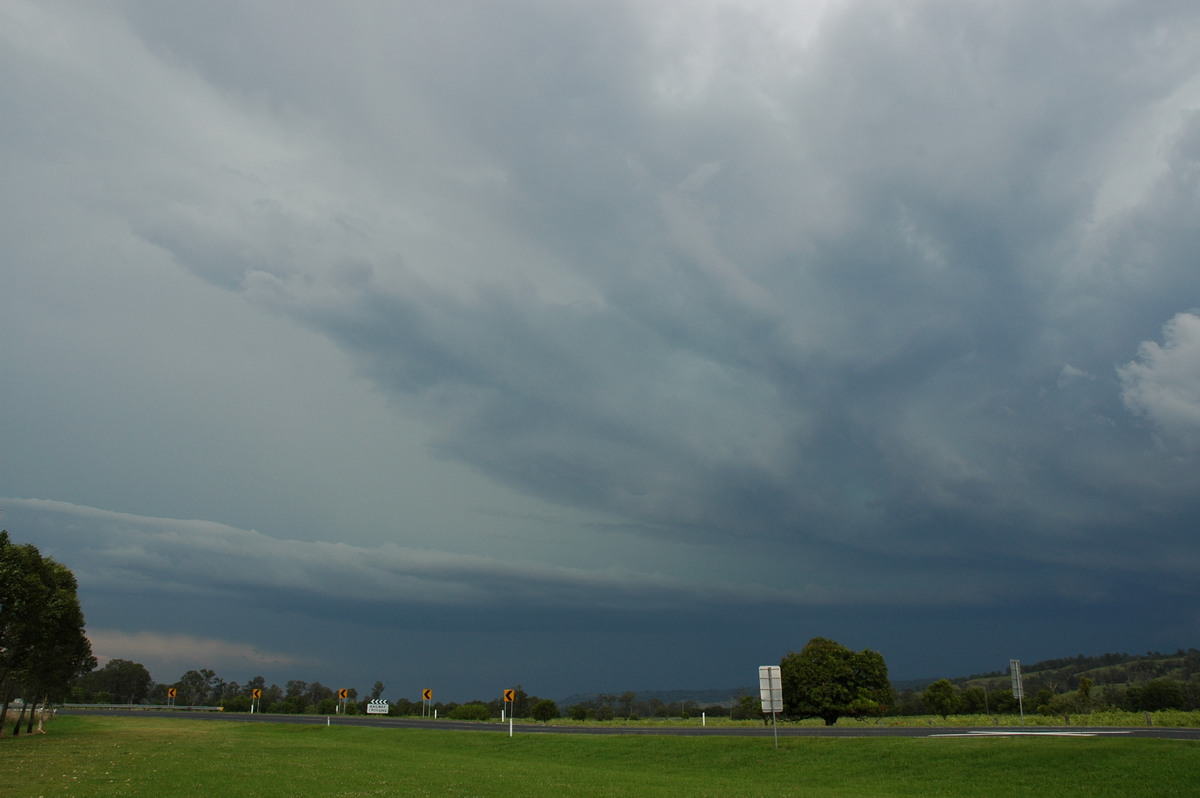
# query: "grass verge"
99,756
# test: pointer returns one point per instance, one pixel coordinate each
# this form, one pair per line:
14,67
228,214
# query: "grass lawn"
98,756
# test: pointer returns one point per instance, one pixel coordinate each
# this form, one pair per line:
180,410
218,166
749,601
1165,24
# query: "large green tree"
827,680
42,641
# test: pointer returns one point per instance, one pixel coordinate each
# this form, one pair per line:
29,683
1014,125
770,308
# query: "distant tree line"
945,698
122,681
627,705
823,680
1070,686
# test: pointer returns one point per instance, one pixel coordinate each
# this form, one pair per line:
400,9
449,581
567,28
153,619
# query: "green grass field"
98,756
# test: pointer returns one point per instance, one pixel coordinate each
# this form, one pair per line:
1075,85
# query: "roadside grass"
1172,719
103,756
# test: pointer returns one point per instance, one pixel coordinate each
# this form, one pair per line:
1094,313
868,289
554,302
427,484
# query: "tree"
318,692
974,701
42,641
62,650
194,687
296,697
1155,695
22,593
748,707
827,680
544,710
942,697
1085,694
520,704
126,682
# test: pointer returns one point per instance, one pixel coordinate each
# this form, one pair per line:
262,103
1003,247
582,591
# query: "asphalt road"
848,730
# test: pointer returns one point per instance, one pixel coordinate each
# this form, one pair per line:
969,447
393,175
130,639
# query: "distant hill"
1059,674
1102,669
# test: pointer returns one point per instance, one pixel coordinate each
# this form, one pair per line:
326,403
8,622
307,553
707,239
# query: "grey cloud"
874,362
115,552
881,294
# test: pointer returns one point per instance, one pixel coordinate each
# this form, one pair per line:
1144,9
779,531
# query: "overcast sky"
603,345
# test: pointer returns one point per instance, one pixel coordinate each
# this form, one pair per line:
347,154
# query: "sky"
603,346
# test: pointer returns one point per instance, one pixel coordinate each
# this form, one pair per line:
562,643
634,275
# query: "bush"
1155,695
238,703
544,710
475,711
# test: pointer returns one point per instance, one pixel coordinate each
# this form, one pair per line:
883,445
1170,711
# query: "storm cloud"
580,318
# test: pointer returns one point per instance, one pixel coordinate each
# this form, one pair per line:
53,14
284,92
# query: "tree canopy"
942,697
827,680
123,681
42,641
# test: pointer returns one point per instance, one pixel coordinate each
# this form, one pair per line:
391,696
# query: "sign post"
770,692
1018,687
510,697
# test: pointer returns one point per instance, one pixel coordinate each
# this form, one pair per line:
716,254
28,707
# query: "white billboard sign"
770,688
378,706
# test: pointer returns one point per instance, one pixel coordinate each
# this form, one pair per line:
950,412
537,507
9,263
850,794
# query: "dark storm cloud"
844,317
891,305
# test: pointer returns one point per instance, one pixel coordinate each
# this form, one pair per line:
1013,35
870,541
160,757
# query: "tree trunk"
5,686
17,726
32,711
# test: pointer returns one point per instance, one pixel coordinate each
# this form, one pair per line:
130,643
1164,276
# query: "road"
856,730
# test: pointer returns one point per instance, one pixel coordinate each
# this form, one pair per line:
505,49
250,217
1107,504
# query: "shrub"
474,711
544,710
